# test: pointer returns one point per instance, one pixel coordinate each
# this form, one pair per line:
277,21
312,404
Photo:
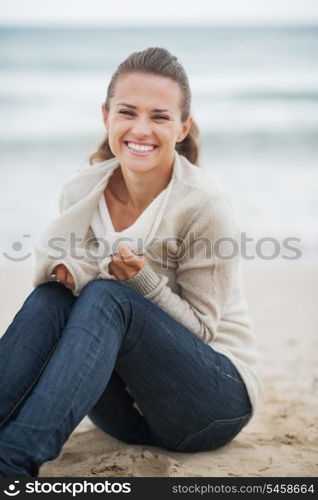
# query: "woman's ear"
185,129
105,115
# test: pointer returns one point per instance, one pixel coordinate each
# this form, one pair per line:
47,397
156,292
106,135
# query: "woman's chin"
136,165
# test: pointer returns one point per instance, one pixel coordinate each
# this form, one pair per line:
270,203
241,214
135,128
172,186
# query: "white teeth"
139,147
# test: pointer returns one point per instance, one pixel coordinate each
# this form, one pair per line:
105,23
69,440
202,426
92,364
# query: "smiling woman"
168,83
142,139
150,339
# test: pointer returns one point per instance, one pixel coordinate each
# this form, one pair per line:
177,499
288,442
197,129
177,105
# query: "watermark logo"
166,249
12,490
17,246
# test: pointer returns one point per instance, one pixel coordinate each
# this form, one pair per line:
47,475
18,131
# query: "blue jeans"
64,357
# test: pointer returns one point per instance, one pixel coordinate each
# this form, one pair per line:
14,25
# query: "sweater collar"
98,176
77,217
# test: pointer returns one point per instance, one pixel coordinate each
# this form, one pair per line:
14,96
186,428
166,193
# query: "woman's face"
144,122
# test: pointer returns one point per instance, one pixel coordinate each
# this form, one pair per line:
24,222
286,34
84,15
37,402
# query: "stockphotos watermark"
73,488
168,249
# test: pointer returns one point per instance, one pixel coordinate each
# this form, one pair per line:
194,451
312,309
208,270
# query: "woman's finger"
130,259
69,281
126,254
116,271
61,273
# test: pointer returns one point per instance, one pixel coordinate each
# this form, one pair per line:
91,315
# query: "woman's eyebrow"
135,107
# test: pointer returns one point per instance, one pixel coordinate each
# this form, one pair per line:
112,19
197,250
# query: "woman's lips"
139,153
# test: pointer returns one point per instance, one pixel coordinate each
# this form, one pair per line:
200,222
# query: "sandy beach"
281,439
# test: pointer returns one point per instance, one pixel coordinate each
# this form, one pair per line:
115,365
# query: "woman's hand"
64,276
126,263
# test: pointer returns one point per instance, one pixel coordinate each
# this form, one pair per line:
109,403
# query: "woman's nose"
141,127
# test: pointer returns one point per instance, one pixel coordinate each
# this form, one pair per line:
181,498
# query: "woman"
150,339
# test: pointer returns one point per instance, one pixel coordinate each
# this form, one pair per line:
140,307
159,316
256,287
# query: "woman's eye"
126,112
130,113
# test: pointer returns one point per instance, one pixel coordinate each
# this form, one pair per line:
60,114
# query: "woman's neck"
136,190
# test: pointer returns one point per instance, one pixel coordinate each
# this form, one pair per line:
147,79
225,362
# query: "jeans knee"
52,293
101,287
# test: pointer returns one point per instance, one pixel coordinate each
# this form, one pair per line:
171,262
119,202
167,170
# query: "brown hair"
155,61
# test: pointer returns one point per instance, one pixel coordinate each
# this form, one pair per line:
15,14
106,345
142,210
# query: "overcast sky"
136,12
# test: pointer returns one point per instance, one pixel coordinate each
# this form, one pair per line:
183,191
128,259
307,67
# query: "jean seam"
29,388
231,376
131,303
188,438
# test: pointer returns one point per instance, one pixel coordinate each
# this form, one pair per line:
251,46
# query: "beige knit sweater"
192,270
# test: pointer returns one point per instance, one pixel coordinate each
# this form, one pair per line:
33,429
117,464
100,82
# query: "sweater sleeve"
204,271
82,268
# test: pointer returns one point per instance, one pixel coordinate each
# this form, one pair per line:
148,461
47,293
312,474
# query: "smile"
139,149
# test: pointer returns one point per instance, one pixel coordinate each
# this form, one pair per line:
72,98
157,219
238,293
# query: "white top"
137,236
